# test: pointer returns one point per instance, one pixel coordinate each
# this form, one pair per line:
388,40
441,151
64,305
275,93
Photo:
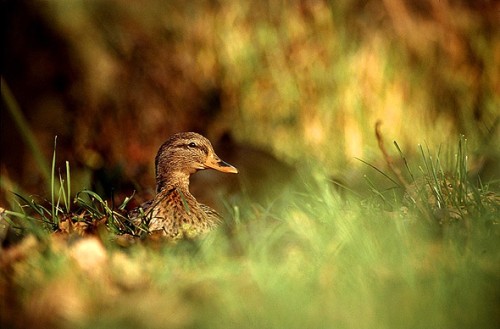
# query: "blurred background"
273,84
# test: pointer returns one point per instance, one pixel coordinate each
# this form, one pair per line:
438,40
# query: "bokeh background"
274,84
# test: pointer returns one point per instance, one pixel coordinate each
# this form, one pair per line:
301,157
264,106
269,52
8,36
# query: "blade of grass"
125,202
89,204
65,190
13,108
31,204
52,185
62,192
374,189
9,187
462,167
68,181
39,209
401,154
19,215
380,171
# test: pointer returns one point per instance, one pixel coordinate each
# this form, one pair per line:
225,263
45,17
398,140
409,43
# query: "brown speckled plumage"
174,212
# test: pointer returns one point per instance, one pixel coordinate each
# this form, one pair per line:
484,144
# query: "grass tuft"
87,210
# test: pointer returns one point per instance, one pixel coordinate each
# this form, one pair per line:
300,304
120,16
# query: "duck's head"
185,153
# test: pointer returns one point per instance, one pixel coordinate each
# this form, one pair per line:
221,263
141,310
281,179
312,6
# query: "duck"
174,212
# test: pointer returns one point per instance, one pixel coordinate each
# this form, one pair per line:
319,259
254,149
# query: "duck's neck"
168,181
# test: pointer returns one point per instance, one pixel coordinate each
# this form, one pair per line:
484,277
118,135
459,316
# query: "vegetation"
420,257
362,234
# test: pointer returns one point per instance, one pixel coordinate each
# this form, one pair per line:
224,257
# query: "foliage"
413,245
313,258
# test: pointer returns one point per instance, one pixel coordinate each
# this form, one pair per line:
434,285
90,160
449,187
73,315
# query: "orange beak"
215,163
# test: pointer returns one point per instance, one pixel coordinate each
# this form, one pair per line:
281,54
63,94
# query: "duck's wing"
213,216
138,213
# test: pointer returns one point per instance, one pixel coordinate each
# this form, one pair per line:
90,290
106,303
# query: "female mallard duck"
174,211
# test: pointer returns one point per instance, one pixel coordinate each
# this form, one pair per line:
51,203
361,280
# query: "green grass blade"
401,154
68,182
380,171
52,185
13,108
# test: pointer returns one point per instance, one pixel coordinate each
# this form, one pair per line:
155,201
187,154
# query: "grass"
313,259
415,247
59,215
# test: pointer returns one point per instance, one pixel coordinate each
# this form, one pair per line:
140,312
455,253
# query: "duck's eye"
192,145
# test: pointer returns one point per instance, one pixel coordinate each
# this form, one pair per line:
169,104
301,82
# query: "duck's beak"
216,163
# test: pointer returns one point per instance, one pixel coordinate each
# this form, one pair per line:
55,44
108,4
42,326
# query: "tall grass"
40,216
312,259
